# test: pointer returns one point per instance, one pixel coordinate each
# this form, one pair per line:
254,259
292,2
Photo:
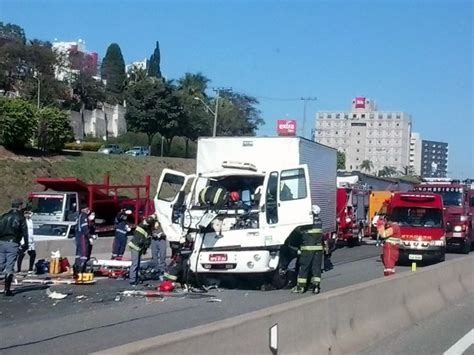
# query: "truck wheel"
442,257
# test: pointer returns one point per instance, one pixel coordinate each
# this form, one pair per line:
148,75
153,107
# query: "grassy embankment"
18,173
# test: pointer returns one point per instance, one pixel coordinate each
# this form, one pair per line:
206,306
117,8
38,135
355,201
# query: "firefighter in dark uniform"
139,244
121,230
83,246
311,256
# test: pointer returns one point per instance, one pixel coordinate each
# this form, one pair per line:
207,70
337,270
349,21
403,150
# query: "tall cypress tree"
154,62
113,71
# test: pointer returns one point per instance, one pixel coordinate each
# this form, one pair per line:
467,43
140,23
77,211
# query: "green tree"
341,160
154,62
17,122
54,129
153,107
113,71
237,115
10,32
367,165
195,121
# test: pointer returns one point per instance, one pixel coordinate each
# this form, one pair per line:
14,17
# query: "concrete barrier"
337,322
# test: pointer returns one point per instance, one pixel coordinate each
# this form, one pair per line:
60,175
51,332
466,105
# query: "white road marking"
461,345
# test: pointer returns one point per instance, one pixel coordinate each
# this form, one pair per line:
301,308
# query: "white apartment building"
415,153
137,65
365,133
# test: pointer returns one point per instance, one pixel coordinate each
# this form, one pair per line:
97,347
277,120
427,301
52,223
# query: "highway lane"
30,322
448,332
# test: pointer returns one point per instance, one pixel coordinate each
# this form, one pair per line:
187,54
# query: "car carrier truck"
247,201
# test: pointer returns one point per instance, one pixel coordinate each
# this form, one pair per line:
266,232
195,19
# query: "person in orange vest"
391,235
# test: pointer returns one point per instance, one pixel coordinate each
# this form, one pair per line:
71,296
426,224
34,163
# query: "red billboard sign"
286,127
360,102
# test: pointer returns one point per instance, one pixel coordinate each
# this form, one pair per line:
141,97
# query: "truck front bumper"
456,238
416,253
236,262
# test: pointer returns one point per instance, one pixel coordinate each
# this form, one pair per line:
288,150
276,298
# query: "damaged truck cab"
248,198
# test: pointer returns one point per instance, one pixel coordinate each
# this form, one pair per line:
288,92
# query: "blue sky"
412,56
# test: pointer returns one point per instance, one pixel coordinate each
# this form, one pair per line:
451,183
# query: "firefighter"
13,229
31,243
121,230
311,256
139,244
391,236
83,247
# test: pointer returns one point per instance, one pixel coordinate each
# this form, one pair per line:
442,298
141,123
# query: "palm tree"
387,171
367,165
196,120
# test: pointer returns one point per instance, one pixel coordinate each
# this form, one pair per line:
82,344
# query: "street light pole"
305,100
214,129
35,75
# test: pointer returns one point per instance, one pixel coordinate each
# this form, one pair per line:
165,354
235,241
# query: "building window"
358,142
329,115
337,132
357,159
380,116
346,116
389,116
398,124
371,115
380,125
358,133
338,115
363,115
354,116
357,150
398,116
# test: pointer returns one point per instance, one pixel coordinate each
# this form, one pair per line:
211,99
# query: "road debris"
55,295
214,300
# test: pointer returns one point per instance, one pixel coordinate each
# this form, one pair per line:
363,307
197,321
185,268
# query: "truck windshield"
451,198
47,205
417,217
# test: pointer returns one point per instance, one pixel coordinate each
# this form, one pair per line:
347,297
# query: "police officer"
121,230
311,256
139,244
13,230
83,247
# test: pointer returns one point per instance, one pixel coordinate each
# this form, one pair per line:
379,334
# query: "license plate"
415,257
218,257
457,234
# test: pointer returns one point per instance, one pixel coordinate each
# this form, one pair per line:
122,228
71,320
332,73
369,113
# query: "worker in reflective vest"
82,236
139,244
391,234
311,253
121,230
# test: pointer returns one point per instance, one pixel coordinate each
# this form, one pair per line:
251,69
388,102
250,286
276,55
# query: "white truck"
249,196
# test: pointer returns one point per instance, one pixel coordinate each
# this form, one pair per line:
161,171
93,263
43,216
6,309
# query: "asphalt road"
31,322
437,334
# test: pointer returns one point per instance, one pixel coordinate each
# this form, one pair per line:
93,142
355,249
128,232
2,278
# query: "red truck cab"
457,211
420,216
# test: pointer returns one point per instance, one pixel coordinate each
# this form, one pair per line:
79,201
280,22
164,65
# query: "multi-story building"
415,154
434,159
365,133
75,59
143,65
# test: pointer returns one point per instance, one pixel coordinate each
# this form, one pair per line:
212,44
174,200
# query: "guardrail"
337,322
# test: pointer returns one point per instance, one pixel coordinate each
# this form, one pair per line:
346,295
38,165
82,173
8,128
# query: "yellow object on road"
413,266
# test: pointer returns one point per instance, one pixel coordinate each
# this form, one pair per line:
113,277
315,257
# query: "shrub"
17,122
85,146
54,129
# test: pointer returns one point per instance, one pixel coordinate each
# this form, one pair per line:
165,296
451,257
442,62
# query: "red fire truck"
55,210
457,210
422,225
351,210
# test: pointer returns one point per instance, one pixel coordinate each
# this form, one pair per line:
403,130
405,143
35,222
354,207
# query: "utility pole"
36,76
305,100
216,110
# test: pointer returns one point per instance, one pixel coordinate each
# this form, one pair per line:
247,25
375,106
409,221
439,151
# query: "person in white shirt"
31,244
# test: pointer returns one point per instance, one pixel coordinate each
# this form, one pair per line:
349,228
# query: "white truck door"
294,197
170,202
